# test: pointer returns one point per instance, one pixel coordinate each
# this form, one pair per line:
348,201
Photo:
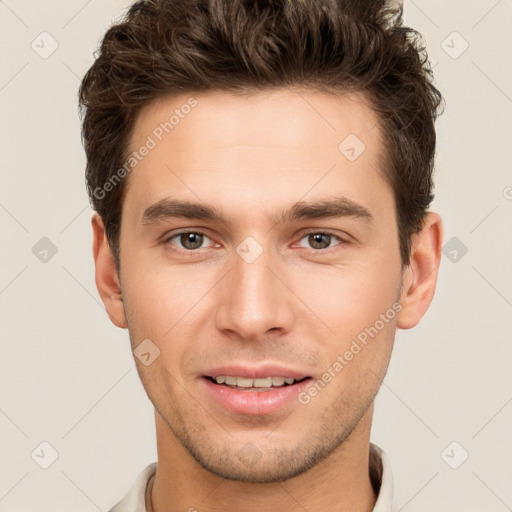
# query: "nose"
255,299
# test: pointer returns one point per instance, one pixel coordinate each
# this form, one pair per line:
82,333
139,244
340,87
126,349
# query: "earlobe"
107,280
420,277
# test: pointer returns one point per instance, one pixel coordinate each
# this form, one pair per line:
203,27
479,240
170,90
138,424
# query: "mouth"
264,384
254,392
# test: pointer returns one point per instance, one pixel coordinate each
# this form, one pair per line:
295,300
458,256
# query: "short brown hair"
166,47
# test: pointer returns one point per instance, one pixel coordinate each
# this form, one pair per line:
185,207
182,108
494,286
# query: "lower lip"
254,402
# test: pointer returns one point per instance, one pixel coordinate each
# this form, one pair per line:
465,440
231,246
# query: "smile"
261,384
254,396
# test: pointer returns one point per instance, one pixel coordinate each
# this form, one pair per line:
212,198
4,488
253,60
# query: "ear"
420,276
107,280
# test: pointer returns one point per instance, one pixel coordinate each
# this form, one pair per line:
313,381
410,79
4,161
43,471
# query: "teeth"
262,383
242,382
277,381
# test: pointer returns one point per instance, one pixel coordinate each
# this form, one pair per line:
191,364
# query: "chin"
261,473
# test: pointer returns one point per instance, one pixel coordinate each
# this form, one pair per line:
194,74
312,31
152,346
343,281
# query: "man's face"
262,292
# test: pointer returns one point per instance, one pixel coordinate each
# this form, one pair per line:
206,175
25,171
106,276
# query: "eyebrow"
169,208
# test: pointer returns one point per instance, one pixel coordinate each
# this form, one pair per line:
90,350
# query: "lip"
260,372
254,403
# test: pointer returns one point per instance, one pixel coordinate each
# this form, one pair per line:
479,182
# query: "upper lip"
256,372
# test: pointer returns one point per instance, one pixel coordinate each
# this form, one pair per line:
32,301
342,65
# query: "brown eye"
319,240
188,240
191,240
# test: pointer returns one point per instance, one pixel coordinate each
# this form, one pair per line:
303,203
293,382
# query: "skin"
296,305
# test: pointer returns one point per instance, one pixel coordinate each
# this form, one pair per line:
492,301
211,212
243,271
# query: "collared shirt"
380,474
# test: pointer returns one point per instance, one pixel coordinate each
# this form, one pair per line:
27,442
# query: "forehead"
279,117
258,145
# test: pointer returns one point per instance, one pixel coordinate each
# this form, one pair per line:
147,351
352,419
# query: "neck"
340,482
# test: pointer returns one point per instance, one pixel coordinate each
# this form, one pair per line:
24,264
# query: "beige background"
67,376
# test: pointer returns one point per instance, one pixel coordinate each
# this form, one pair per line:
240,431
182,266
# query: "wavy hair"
166,47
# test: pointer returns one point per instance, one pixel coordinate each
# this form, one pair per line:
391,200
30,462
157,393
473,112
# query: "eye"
192,240
189,240
320,240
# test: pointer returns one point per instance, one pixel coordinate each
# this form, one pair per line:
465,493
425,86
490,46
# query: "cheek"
351,298
356,365
161,296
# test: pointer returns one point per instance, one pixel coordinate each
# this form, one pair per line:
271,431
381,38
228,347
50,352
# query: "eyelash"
341,241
